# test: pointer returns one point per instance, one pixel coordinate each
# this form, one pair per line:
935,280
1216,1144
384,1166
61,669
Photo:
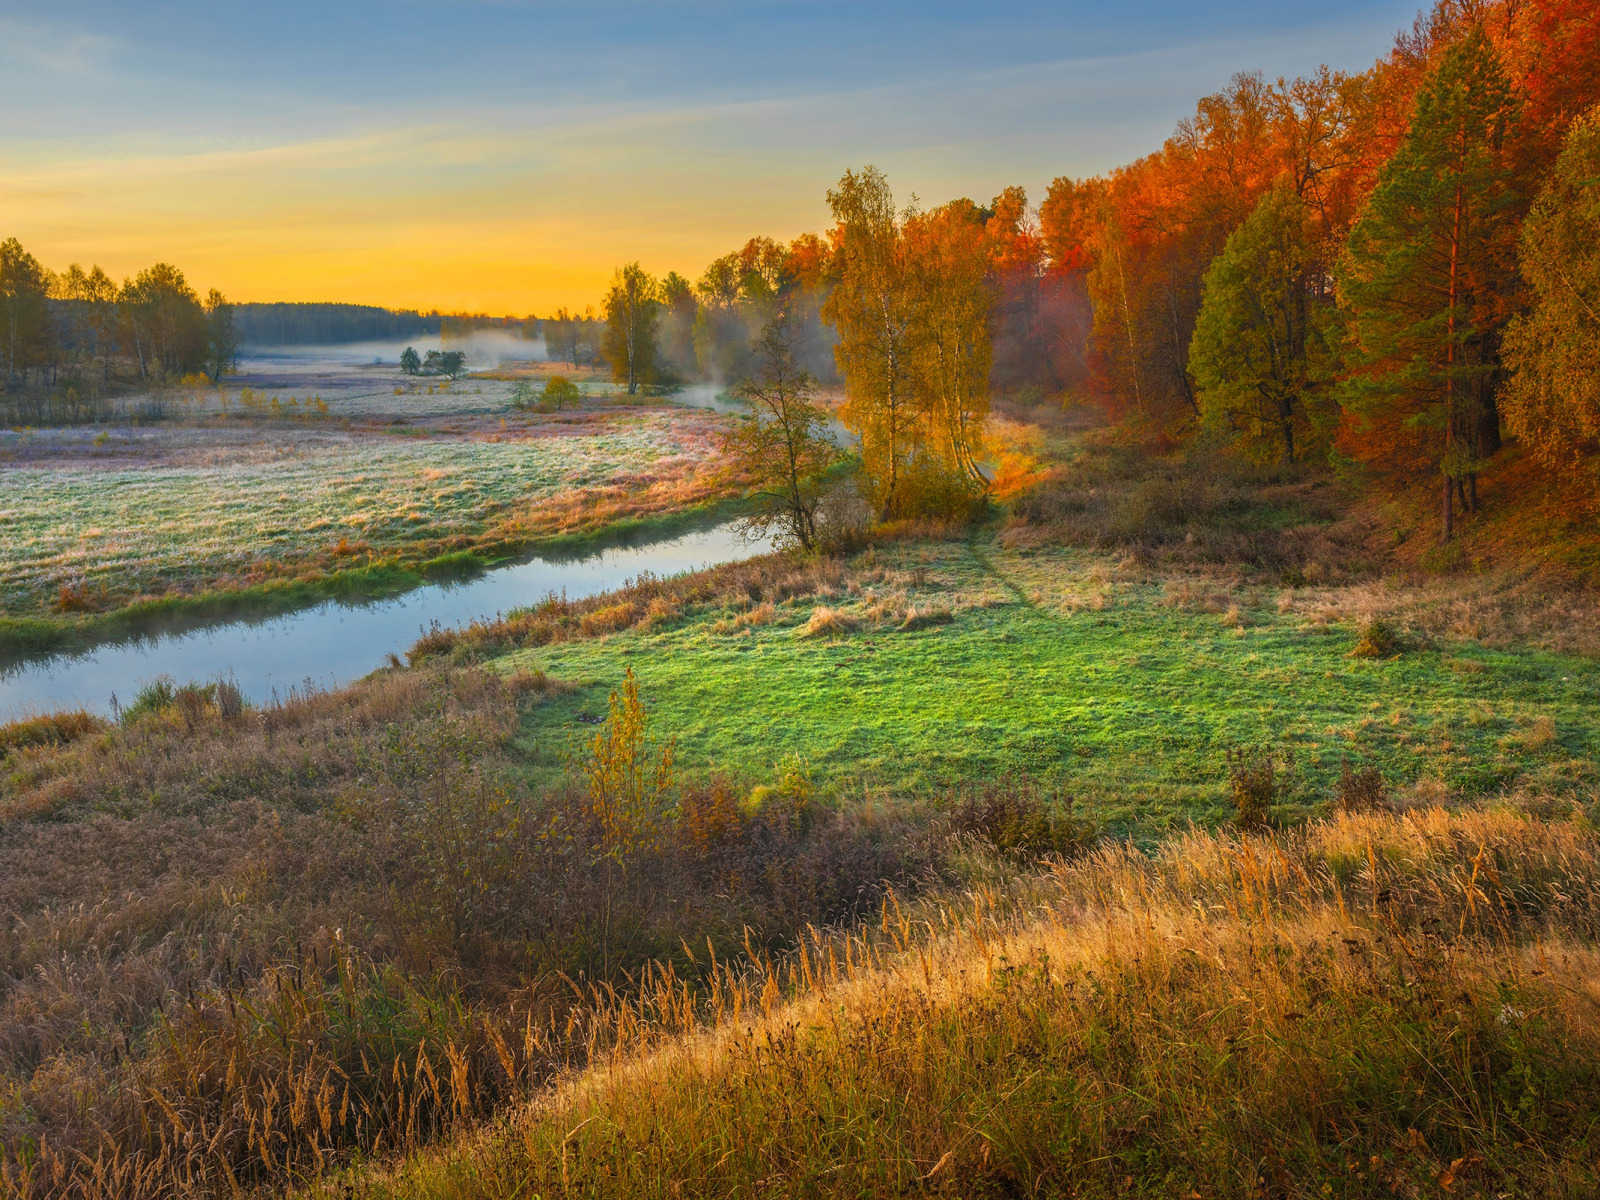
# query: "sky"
504,156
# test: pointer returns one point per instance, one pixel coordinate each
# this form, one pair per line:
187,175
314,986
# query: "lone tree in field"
629,344
1553,400
411,361
1260,354
783,444
449,363
1426,278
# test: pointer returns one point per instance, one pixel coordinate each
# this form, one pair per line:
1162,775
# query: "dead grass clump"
827,622
926,618
1537,734
762,614
50,729
608,619
523,682
1193,595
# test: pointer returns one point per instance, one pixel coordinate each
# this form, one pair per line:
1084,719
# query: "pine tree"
1425,281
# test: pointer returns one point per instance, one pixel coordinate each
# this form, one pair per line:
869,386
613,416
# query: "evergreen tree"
1260,356
1425,281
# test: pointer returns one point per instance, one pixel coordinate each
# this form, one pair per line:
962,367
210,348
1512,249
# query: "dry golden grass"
244,945
1504,607
1374,1005
646,603
827,622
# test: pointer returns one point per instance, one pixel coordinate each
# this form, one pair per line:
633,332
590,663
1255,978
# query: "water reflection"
335,643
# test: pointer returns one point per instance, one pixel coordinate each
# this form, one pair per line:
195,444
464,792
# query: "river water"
336,642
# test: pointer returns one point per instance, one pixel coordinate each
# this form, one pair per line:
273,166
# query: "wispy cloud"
54,48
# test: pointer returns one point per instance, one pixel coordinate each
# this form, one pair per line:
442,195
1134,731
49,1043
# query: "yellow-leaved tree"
630,788
911,305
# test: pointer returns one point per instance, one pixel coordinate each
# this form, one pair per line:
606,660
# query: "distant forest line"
319,324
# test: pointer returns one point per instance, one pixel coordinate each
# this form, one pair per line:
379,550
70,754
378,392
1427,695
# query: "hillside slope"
1375,1005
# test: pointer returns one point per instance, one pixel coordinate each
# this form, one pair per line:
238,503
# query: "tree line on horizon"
83,325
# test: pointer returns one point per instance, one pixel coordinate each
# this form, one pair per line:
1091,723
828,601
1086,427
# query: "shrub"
1377,639
157,696
1362,791
1013,816
1255,785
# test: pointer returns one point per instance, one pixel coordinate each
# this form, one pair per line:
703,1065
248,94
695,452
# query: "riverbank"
26,638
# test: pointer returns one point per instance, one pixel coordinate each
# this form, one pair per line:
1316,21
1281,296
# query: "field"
961,661
223,496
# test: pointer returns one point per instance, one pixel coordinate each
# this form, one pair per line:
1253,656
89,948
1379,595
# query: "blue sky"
502,154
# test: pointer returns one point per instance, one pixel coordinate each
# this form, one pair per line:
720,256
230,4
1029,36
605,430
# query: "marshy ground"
296,479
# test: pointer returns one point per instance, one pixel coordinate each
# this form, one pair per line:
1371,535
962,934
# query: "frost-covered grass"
91,538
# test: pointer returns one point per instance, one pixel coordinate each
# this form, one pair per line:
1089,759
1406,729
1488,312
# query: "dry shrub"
1362,791
50,729
660,611
74,599
827,622
608,619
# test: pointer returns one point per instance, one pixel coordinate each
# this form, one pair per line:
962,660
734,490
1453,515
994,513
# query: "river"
337,642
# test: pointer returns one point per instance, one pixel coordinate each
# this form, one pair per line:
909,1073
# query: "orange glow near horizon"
424,219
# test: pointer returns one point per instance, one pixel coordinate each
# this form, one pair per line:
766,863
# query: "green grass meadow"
1107,690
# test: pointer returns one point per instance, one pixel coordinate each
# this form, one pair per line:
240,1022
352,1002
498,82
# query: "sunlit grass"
1291,1016
948,662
